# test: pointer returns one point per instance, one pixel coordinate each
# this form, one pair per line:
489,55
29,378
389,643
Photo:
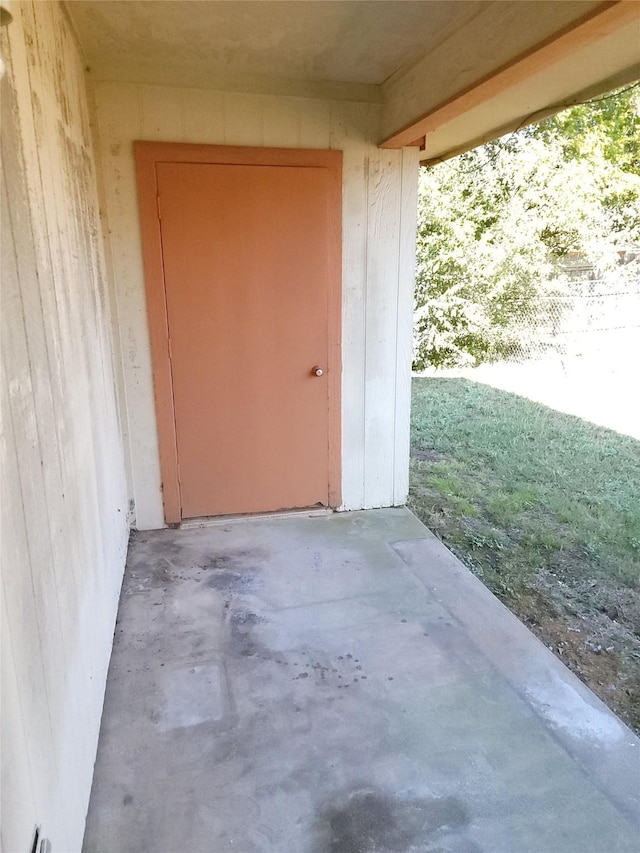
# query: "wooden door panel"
246,273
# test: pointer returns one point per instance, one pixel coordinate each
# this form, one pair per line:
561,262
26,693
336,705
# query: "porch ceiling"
412,57
199,43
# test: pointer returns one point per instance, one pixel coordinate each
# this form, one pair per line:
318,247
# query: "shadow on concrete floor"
342,684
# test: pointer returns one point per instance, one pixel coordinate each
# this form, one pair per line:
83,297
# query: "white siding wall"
379,196
64,531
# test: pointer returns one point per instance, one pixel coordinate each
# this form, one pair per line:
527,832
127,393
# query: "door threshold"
217,520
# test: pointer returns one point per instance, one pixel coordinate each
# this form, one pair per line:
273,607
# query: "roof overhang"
448,75
592,55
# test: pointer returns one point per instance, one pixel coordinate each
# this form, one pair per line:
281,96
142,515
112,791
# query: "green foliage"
495,224
611,123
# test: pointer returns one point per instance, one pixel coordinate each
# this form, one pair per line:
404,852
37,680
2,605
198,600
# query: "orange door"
247,267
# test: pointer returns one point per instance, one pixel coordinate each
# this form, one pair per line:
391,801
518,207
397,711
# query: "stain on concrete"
232,559
245,618
324,673
242,642
226,581
162,570
231,572
219,562
367,820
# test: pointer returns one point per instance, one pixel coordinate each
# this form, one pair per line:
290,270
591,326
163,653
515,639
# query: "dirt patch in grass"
545,509
600,657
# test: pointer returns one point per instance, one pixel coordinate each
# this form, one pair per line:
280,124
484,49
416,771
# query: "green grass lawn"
545,509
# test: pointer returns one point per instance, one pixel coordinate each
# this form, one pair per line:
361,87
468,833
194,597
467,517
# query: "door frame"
147,155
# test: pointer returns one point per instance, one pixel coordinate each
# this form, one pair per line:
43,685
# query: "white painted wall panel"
243,120
404,312
355,203
378,234
64,528
383,243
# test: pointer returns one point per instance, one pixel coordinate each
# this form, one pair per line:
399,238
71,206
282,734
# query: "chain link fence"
575,349
585,316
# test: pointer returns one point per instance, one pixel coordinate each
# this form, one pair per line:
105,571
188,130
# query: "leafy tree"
496,223
613,122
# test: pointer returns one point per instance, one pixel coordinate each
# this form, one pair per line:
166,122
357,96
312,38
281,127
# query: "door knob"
318,371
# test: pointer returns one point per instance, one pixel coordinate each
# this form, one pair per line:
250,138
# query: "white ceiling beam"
403,94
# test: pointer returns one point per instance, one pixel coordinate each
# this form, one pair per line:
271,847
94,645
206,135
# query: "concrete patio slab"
342,684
